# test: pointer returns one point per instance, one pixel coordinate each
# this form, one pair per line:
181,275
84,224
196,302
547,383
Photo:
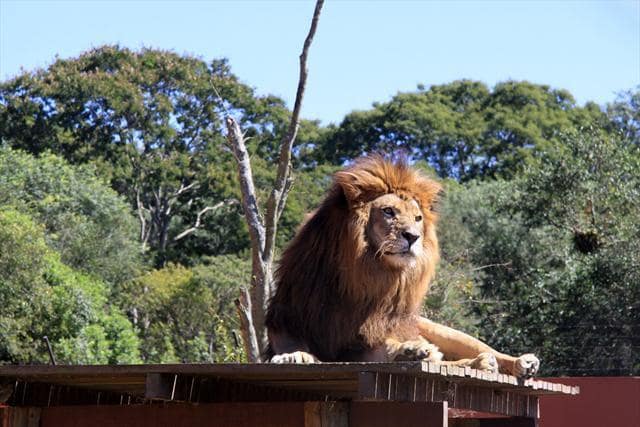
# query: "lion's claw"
295,357
526,365
417,350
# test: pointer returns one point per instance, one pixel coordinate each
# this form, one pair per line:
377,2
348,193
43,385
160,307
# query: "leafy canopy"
462,129
39,296
86,222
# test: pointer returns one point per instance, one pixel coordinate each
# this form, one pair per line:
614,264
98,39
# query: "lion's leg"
459,346
484,361
289,350
419,349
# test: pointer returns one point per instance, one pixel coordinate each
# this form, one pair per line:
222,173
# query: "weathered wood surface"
459,394
463,388
132,378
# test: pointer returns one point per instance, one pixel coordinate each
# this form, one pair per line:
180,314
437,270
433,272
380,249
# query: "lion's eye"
389,212
418,218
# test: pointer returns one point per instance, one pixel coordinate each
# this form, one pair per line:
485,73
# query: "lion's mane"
332,292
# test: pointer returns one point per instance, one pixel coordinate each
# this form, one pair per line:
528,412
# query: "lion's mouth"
406,252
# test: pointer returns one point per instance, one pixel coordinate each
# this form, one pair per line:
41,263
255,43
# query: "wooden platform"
421,385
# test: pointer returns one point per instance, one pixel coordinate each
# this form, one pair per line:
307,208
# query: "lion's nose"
411,238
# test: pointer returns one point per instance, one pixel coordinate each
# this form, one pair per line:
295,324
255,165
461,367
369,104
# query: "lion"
350,285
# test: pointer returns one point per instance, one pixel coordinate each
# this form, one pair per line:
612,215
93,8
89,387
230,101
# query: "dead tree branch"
243,304
198,222
247,187
482,267
252,304
145,230
280,191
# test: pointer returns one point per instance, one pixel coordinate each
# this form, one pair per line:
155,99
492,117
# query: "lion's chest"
359,333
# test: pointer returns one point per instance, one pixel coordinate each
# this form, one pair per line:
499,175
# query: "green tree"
558,252
39,296
23,291
588,193
82,326
624,112
87,223
309,188
462,129
151,120
188,314
454,291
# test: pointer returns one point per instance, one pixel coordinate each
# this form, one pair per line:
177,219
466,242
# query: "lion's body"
334,293
350,285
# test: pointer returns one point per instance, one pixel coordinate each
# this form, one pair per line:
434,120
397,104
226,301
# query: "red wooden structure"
328,394
603,401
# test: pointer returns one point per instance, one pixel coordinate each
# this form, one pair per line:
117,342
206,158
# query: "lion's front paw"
526,366
485,361
295,357
417,350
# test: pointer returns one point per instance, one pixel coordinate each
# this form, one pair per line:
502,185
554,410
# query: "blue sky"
364,51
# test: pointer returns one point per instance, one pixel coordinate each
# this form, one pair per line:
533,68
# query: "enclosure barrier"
327,394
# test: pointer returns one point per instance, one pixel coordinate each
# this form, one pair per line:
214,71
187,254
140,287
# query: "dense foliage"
463,129
122,240
40,296
86,222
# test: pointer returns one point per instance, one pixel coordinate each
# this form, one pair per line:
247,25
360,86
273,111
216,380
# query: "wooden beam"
43,395
135,374
326,414
405,414
161,386
197,389
508,422
46,386
19,417
281,414
376,386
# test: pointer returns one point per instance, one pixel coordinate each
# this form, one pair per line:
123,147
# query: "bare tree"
253,301
156,204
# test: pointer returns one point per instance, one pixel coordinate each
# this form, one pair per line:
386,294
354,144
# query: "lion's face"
395,230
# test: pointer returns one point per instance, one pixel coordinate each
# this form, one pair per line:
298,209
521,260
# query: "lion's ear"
430,194
359,187
436,203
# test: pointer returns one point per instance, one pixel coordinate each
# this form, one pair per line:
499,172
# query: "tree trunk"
252,304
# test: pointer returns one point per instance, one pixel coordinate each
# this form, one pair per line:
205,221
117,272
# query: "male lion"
351,283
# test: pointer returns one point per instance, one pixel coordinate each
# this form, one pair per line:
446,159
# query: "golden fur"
351,284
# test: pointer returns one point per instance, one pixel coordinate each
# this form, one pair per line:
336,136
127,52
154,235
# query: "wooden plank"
326,414
160,386
381,387
188,388
403,388
368,386
20,417
137,373
463,422
334,379
430,368
44,395
421,388
508,422
388,387
493,422
281,414
238,370
405,414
